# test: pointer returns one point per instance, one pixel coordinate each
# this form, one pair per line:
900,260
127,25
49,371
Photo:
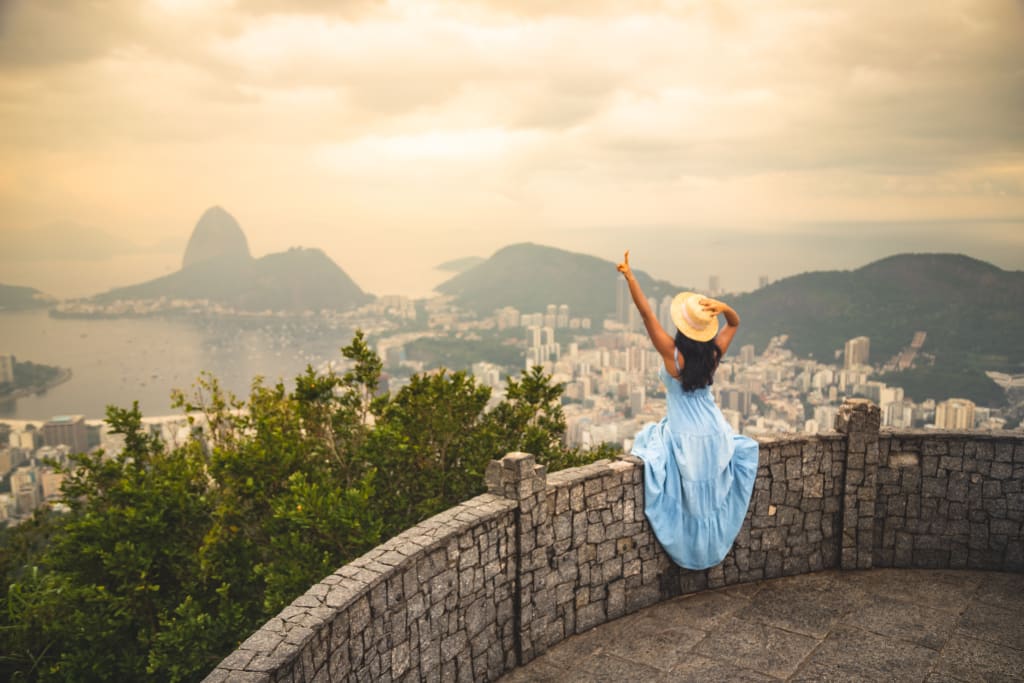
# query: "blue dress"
698,477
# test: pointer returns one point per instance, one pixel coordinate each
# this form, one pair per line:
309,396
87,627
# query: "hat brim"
678,309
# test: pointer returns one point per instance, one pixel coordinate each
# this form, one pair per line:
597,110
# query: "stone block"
956,488
814,486
951,463
1004,527
995,507
1003,451
589,616
576,498
793,467
934,487
1001,470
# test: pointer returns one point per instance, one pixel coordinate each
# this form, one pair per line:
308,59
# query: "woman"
698,474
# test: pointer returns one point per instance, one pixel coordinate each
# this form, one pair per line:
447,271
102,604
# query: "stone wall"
473,592
434,603
948,499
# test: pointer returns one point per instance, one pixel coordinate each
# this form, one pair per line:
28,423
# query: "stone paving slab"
875,625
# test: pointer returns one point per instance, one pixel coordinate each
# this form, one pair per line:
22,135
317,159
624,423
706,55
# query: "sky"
709,137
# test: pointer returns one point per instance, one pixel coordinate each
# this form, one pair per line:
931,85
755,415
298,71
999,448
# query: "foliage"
969,308
462,353
169,557
28,375
526,275
944,380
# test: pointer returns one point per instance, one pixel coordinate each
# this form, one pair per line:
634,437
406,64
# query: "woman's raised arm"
663,343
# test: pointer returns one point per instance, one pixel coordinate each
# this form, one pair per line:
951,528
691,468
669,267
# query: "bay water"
117,361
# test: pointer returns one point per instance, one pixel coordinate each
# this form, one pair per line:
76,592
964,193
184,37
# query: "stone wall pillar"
518,477
859,419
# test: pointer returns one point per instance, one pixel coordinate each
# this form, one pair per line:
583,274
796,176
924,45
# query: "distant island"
31,378
14,298
460,265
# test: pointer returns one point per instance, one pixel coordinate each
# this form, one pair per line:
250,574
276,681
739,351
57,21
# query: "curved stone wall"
434,602
490,584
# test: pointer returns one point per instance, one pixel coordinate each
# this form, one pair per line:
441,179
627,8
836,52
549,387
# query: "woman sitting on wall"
698,474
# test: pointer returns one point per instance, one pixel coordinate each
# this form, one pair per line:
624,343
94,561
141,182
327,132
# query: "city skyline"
398,135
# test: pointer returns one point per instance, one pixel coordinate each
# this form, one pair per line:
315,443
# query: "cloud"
67,241
36,33
342,8
421,115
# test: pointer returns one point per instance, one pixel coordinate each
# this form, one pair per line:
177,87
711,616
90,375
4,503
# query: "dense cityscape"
608,370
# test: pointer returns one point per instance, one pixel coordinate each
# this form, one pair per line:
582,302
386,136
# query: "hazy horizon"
709,137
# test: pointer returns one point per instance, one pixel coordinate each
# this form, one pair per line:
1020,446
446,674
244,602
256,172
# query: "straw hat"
691,319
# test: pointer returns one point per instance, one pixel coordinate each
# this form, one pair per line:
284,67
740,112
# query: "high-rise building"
507,317
69,430
551,315
736,399
6,369
825,416
956,413
563,316
26,479
665,316
713,285
857,352
747,354
487,374
534,333
50,483
762,281
623,302
637,398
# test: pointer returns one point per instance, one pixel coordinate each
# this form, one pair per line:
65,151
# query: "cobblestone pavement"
875,625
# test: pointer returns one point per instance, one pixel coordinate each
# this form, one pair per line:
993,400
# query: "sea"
121,360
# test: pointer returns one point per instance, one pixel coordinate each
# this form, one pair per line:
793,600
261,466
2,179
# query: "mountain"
530,276
14,298
216,235
971,310
217,266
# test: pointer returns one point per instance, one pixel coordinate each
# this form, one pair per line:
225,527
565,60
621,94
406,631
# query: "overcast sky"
710,137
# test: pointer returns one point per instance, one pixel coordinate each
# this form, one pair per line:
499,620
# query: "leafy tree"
119,564
168,558
433,443
530,419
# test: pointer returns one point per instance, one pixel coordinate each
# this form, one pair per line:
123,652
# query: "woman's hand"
716,307
624,266
713,306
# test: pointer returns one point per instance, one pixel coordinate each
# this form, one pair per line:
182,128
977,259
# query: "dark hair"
700,362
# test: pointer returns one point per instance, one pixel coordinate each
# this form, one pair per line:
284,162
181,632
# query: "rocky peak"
217,235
